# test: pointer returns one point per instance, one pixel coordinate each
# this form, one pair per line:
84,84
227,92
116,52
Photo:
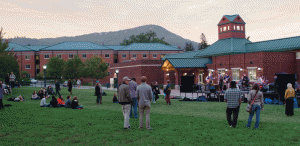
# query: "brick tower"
231,26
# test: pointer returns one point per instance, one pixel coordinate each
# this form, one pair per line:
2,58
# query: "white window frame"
228,28
297,55
144,54
221,29
224,28
83,56
233,27
72,56
27,67
106,55
241,27
28,57
47,55
133,55
235,74
252,73
57,55
238,28
124,55
154,55
222,71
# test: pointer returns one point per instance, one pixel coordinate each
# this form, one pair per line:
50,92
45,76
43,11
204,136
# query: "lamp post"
45,67
117,72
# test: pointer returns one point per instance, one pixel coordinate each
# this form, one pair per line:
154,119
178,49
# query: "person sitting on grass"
19,98
53,102
43,102
45,94
115,99
40,94
74,104
61,102
68,102
34,95
8,88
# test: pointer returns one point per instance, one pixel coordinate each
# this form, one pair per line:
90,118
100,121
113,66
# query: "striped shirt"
232,96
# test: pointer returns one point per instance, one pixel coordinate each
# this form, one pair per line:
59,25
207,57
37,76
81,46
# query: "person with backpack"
168,92
255,97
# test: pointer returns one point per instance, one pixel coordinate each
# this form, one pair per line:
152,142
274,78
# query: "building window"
27,66
154,55
233,27
237,27
144,55
108,64
228,27
106,55
58,55
70,56
123,55
46,56
252,74
236,74
27,57
108,73
162,56
224,28
221,29
222,71
241,27
133,55
298,55
83,55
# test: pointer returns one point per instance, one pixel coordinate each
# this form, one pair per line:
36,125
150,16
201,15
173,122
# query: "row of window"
227,28
134,55
236,74
38,67
46,56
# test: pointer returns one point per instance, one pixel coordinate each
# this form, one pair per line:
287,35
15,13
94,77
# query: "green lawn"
182,123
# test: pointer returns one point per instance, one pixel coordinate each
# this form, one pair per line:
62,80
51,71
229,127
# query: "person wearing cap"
144,96
125,100
132,88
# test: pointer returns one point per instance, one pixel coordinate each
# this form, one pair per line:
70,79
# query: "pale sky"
265,19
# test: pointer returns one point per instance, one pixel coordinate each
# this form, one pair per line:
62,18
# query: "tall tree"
189,47
55,67
149,37
72,68
8,61
203,42
94,68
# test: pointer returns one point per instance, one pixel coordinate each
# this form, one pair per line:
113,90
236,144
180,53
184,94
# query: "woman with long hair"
257,106
34,95
289,100
70,86
75,103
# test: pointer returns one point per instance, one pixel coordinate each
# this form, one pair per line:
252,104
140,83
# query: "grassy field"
182,123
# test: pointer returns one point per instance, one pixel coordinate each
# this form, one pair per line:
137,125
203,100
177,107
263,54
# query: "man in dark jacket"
57,87
245,81
125,101
98,91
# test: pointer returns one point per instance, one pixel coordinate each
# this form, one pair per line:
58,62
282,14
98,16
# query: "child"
115,99
43,102
68,102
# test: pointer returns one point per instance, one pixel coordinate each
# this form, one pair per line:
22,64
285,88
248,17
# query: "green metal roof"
115,47
17,47
76,46
231,18
277,45
225,47
189,54
190,63
36,48
149,47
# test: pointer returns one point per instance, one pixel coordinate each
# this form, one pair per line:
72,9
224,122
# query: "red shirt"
60,101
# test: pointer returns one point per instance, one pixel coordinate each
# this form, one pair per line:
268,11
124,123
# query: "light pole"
45,67
117,72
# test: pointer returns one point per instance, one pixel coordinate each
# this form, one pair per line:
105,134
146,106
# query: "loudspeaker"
187,83
282,81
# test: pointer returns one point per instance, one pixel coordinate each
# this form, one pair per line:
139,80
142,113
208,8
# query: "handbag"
249,106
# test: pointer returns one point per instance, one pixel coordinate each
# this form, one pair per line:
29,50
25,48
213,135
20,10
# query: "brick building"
235,55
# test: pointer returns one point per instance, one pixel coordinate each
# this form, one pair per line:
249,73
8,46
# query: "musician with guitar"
221,81
209,80
226,80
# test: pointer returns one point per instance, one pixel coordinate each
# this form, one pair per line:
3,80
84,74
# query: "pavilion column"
176,79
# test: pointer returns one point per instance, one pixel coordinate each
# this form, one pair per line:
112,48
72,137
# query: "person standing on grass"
70,86
78,83
7,79
257,105
57,87
153,95
1,95
12,79
144,96
132,89
125,100
289,100
98,91
156,90
220,82
168,92
233,99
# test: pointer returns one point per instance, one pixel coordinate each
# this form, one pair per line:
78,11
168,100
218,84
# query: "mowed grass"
182,123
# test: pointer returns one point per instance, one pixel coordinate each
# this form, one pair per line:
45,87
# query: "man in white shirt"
43,102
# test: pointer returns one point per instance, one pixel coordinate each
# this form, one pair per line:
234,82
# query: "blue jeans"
134,105
47,105
255,108
79,107
153,97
